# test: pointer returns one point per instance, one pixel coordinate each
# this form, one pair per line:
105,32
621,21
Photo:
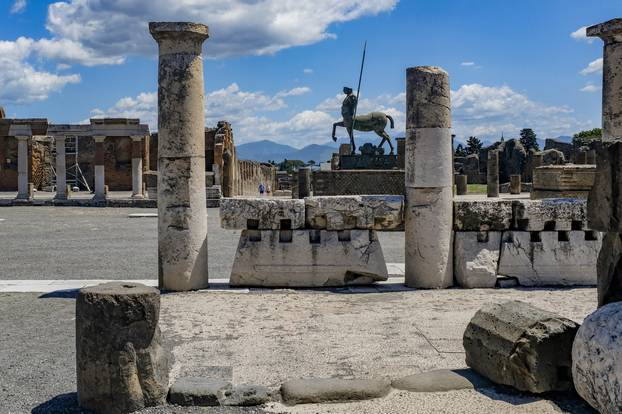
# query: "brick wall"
352,182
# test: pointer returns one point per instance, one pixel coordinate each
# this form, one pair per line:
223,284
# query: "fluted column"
137,167
100,176
61,168
182,211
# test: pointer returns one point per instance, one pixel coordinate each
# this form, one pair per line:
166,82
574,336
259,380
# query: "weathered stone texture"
308,258
306,391
121,366
549,260
563,181
354,212
355,182
482,215
596,356
609,267
476,256
428,96
492,178
197,391
442,380
461,184
550,214
516,344
262,213
605,199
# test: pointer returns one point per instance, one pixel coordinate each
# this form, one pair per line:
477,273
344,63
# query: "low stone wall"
249,174
358,182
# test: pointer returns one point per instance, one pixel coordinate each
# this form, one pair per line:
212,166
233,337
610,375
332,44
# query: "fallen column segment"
516,344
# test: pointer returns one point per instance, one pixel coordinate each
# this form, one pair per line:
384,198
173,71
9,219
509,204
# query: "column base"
23,197
99,197
138,196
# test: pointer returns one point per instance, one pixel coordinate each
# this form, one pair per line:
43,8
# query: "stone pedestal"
304,182
23,165
137,167
563,181
182,212
61,169
461,184
100,179
428,179
120,364
611,34
515,184
492,179
581,158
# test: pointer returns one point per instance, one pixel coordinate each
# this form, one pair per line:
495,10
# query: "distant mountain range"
267,150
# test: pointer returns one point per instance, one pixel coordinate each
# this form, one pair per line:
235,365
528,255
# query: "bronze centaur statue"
374,121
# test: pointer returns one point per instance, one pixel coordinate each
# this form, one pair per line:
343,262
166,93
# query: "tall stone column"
182,211
61,168
100,179
428,178
304,182
23,165
137,167
611,34
492,179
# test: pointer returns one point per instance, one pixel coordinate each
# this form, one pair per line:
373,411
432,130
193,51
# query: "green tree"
291,165
583,138
460,151
474,144
311,162
528,139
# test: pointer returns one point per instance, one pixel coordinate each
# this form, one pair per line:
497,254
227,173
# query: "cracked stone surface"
268,213
480,215
308,258
382,212
550,214
596,355
516,344
550,261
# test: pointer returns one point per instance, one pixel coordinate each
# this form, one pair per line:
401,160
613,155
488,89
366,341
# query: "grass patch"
477,189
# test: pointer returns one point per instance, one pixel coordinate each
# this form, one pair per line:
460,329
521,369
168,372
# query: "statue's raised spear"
358,90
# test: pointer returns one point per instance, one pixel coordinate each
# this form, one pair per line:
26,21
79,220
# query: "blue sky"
275,68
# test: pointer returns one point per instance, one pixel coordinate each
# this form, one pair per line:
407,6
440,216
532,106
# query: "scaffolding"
75,177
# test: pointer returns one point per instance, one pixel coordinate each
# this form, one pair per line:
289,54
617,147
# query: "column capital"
59,137
137,138
99,138
22,137
609,31
178,30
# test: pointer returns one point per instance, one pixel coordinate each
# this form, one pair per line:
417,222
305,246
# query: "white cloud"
301,90
596,66
581,35
467,64
590,87
487,111
18,6
21,81
113,29
308,71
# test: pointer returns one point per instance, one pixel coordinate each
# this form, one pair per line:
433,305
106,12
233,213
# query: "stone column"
515,184
428,179
137,167
61,168
461,184
591,157
492,180
23,165
611,34
100,179
182,211
581,157
304,182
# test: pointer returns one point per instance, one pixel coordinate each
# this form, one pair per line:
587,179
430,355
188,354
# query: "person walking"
262,188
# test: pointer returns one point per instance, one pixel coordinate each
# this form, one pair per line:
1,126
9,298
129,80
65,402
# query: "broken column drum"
182,212
461,184
120,365
428,179
492,181
304,182
515,184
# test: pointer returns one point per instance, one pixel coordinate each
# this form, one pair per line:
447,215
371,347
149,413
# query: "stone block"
550,257
549,215
120,364
567,177
489,215
308,258
476,256
516,344
376,212
246,395
609,269
198,391
312,390
262,213
605,199
596,356
442,380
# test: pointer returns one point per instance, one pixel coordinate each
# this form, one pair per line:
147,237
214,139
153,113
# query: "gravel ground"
104,243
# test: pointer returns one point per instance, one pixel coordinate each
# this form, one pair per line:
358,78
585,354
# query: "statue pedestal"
368,162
